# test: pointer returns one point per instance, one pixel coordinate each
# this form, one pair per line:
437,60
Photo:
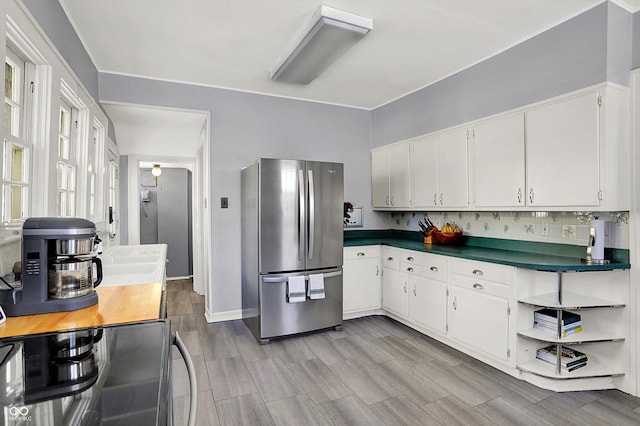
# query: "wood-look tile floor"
375,371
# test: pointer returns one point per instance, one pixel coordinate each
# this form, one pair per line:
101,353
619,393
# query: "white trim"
223,316
634,230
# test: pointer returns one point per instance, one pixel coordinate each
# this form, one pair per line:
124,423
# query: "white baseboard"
223,316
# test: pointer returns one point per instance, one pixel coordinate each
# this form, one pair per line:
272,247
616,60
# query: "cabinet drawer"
410,268
481,270
362,252
434,267
391,258
481,286
411,258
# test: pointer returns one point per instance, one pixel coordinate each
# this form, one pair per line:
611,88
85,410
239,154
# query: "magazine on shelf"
551,315
554,331
570,357
554,325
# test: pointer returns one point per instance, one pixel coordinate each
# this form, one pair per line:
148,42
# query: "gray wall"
588,49
56,25
245,127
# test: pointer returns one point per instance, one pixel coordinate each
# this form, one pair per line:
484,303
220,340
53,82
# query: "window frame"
18,137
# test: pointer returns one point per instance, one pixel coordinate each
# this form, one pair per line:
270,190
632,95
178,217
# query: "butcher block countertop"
116,305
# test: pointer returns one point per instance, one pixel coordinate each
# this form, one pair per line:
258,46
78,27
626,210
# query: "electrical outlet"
544,229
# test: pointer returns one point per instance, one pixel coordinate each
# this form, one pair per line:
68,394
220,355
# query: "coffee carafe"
58,261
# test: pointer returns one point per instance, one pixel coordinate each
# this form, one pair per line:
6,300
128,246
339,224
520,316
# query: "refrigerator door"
279,317
325,188
282,215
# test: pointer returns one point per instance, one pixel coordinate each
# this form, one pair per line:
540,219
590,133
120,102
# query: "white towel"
296,290
316,286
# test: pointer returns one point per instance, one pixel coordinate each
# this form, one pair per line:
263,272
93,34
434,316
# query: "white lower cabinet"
479,307
428,294
362,281
486,310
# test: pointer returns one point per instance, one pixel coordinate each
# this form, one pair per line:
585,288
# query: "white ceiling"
156,132
234,44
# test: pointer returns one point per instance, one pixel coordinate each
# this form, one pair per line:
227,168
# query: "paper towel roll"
597,251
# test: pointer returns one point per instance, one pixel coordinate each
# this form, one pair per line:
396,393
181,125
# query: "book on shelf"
551,315
571,358
554,330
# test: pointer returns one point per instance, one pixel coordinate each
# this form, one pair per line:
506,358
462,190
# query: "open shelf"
570,301
592,369
577,338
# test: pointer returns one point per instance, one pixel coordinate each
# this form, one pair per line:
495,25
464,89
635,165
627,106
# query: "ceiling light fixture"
329,34
156,170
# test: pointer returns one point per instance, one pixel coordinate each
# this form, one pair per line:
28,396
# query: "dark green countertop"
521,254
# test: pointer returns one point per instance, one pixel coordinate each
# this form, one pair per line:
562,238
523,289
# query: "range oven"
117,375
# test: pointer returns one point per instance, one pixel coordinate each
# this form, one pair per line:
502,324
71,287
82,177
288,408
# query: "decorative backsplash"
548,227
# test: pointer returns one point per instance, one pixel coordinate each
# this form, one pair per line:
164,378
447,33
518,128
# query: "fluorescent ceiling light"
329,34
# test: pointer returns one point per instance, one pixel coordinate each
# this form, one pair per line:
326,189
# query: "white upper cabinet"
497,162
380,178
563,150
453,175
577,151
440,171
424,157
566,153
399,176
390,177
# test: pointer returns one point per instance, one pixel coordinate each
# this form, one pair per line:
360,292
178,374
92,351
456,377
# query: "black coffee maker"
57,267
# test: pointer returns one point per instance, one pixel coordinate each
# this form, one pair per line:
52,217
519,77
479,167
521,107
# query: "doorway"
166,215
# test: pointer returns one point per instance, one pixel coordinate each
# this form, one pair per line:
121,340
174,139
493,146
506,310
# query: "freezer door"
278,317
325,188
282,215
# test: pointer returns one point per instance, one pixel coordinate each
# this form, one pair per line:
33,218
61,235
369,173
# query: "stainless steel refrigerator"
292,240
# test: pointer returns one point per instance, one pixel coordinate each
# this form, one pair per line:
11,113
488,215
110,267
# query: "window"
95,168
16,143
66,166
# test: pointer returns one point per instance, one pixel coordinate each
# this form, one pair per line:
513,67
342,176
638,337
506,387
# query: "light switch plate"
224,202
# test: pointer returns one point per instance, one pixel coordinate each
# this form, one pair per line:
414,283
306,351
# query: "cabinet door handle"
405,287
477,272
531,195
519,195
389,258
478,286
414,290
377,270
434,269
386,200
410,269
441,198
410,259
435,199
391,201
361,254
455,303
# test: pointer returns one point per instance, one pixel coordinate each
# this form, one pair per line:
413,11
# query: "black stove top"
119,375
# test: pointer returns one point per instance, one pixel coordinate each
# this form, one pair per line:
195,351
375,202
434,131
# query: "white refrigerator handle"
312,214
193,385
